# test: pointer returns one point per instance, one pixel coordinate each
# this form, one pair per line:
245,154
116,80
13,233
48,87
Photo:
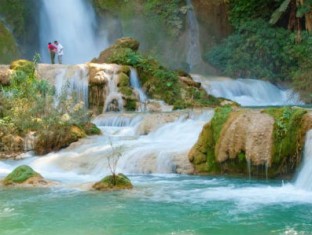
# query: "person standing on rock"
60,51
52,49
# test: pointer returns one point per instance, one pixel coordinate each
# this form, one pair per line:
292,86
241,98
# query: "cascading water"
113,100
163,150
69,80
304,178
193,57
135,83
73,24
248,92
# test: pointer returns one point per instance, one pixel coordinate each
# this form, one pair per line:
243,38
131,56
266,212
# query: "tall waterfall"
135,83
73,24
304,179
193,57
248,92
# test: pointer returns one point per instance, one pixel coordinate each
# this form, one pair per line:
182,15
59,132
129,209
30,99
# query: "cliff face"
213,21
8,47
163,28
262,143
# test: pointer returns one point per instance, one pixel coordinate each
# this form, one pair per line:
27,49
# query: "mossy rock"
91,129
22,65
57,137
127,42
111,182
20,175
8,47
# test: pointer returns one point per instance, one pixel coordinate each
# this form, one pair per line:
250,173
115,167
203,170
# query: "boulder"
25,176
118,47
113,182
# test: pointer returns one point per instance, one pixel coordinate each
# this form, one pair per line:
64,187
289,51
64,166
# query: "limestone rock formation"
262,143
249,133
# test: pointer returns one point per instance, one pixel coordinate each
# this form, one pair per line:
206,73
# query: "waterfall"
304,179
163,150
248,92
69,80
135,83
73,24
113,100
193,57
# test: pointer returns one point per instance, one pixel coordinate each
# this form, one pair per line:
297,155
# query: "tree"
299,15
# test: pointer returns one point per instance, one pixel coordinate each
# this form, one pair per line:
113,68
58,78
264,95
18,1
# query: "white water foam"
135,83
161,151
248,92
304,178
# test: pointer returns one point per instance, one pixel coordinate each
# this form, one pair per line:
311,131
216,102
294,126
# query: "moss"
203,152
56,137
8,47
130,105
91,129
286,151
113,182
20,175
23,65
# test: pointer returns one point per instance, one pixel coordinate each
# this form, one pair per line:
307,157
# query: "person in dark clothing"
52,49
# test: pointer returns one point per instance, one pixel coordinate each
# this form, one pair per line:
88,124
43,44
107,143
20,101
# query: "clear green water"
169,204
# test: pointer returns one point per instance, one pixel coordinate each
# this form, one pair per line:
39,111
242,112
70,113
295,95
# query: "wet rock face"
251,142
105,81
250,133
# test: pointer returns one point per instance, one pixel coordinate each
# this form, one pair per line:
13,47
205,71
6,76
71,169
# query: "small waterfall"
113,100
193,57
135,83
68,80
248,92
73,24
73,80
163,150
304,178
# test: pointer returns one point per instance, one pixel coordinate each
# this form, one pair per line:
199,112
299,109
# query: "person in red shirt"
52,49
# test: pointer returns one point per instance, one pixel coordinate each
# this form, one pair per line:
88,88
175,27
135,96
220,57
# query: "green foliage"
29,104
256,50
14,12
8,47
242,11
286,136
171,13
20,175
214,130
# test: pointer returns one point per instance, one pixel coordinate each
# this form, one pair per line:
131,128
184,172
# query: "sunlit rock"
24,176
113,182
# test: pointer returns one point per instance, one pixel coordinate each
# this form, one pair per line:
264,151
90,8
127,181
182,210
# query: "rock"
117,48
127,42
189,81
249,132
24,175
5,74
117,182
